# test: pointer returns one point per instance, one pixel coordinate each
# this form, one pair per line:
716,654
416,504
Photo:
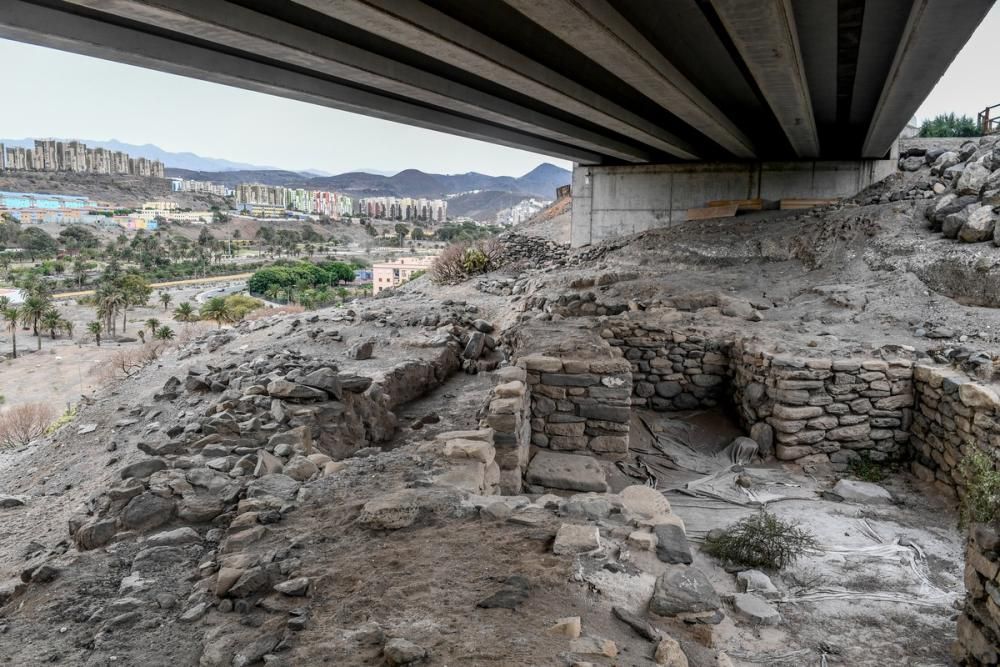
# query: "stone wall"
842,408
953,413
671,369
978,631
579,404
509,415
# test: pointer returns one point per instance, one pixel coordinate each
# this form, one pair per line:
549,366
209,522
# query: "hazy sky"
53,93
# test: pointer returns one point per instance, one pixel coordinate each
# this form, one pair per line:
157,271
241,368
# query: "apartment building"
75,156
404,208
386,275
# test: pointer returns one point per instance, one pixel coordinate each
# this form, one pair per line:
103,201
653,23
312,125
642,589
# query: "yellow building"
386,275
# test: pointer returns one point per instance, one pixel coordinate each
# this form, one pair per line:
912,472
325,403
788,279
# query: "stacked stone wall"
579,404
671,369
509,416
841,408
955,416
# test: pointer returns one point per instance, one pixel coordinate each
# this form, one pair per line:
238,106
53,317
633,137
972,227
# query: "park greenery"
304,283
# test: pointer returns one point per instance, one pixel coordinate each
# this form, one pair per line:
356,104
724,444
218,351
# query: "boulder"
297,587
326,379
300,468
474,348
171,538
668,651
953,222
361,350
95,534
972,179
672,544
571,472
399,651
683,590
147,511
979,226
286,389
755,581
278,486
143,469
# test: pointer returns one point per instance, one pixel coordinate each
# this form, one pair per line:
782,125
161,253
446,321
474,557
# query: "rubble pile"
967,189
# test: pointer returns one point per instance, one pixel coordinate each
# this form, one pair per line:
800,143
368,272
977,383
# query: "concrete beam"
934,34
241,29
429,31
26,22
764,33
606,37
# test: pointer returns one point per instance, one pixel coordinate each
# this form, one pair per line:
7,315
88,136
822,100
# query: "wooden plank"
741,204
711,212
792,204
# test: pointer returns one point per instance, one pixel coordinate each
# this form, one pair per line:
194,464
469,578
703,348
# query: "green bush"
981,502
761,540
949,125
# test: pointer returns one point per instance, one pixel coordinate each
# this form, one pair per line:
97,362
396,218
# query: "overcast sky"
52,93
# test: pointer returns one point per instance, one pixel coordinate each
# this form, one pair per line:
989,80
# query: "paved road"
170,283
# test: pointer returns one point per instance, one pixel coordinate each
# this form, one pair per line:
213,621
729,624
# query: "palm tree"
152,324
12,315
164,333
165,299
67,326
51,320
95,328
32,310
217,309
184,312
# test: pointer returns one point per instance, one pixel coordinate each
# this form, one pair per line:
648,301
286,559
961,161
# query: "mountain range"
540,182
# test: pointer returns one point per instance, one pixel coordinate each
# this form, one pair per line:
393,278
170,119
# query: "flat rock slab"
862,492
756,609
571,472
576,539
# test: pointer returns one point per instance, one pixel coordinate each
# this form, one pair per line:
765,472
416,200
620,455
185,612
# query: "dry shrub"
464,259
261,313
21,424
128,361
192,330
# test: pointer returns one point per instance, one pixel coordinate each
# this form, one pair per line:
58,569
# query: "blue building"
14,200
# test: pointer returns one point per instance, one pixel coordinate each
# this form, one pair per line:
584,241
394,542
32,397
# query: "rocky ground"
316,488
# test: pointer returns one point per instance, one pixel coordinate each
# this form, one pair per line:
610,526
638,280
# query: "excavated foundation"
577,383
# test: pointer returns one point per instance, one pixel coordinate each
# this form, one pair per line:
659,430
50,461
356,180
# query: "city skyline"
215,121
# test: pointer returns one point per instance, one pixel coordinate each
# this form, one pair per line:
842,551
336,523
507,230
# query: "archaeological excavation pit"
725,424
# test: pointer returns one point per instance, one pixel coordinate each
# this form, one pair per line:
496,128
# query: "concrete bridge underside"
598,82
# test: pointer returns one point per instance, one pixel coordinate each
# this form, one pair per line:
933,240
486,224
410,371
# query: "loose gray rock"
402,652
147,511
294,587
361,350
672,544
286,389
143,469
683,590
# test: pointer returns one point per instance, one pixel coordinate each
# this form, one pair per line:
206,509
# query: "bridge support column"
610,201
